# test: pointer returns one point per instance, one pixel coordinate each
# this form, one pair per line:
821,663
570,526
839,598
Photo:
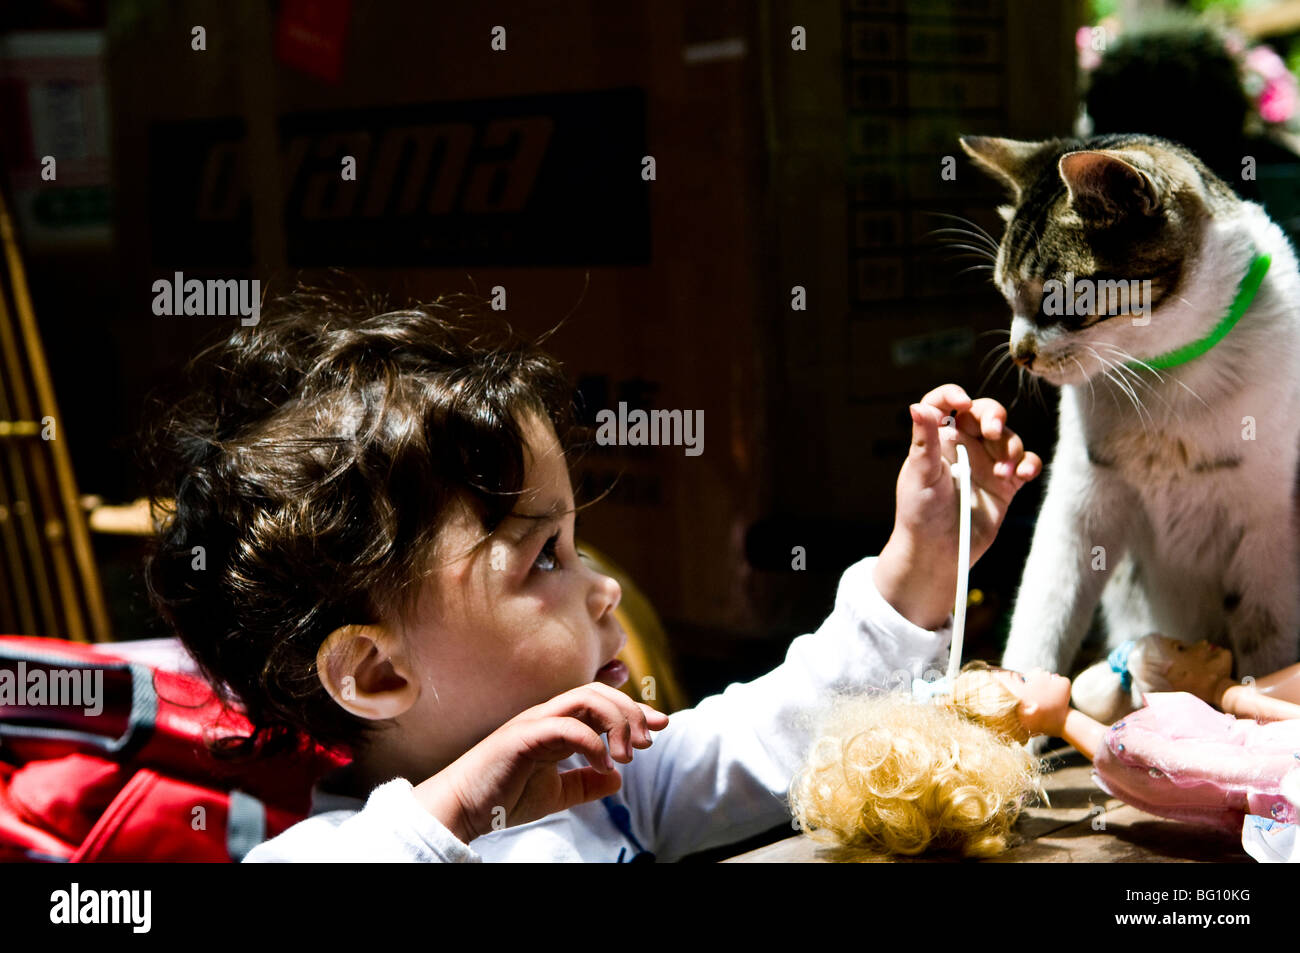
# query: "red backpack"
104,759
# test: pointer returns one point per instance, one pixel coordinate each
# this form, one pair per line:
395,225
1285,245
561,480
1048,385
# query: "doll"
1116,686
891,774
894,774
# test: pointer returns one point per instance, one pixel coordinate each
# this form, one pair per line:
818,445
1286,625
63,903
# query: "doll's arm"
1283,685
1247,701
1083,732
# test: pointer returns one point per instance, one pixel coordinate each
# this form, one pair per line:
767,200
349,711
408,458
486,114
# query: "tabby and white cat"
1172,493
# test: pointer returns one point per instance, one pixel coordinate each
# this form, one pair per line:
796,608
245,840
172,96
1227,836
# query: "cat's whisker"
994,351
990,253
1137,378
1124,355
966,271
1092,394
1105,371
1127,388
1127,391
997,364
1038,389
966,255
965,221
1019,390
974,249
966,233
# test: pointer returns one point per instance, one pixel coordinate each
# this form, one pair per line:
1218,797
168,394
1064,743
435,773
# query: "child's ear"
365,671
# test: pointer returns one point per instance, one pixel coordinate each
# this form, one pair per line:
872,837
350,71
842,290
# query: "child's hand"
917,569
510,777
927,493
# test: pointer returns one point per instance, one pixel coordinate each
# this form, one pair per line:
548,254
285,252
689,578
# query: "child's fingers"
655,719
1003,444
640,718
608,711
1030,466
559,737
991,418
586,784
948,399
1006,454
622,721
926,451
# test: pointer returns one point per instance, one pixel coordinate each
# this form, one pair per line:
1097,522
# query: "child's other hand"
510,777
926,491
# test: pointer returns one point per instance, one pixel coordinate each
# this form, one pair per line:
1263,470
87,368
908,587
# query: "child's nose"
605,595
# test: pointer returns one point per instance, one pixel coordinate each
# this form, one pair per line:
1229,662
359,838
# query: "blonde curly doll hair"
892,775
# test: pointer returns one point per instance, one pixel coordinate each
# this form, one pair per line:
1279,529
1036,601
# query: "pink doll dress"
1180,758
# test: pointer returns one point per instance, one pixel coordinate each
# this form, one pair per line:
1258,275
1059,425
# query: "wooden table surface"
1083,825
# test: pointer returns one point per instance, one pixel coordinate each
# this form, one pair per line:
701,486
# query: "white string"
961,470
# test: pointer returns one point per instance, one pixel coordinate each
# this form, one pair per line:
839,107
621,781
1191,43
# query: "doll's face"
1195,668
1044,698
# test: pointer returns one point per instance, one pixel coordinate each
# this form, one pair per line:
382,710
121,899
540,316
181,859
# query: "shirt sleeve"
720,772
392,826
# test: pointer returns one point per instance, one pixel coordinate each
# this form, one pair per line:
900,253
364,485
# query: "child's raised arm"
917,569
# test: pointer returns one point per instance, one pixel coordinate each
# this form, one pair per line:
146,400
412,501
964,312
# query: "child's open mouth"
612,673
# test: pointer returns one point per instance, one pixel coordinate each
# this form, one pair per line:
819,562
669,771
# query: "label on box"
310,36
948,344
537,180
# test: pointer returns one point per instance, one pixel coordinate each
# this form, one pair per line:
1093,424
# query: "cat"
1171,494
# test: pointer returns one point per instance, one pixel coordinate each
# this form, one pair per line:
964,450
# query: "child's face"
520,621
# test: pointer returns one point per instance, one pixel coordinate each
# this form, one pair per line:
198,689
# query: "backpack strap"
245,824
140,722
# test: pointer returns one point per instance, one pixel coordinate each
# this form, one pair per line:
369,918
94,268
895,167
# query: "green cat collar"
1240,304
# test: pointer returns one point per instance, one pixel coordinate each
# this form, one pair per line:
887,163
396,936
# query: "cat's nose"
1025,358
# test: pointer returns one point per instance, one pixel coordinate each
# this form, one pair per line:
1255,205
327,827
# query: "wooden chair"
49,583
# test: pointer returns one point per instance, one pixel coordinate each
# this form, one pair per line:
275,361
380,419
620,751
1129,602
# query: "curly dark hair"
314,457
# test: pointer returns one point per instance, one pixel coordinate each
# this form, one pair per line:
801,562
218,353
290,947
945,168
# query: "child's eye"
547,560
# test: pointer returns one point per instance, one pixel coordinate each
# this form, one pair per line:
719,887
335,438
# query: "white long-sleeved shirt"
718,774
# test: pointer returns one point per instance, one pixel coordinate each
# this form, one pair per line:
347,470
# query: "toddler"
373,545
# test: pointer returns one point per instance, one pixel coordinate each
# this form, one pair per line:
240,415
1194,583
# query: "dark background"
775,168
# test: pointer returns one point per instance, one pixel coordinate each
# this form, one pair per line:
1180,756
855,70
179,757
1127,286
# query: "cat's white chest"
1198,477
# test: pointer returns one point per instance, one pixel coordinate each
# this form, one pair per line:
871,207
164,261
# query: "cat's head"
1099,237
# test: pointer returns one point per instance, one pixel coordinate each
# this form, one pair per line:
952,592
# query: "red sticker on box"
310,35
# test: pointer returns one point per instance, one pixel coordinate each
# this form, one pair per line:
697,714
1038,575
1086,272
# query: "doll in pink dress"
1179,757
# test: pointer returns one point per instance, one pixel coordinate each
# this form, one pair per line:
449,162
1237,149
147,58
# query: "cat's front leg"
1080,536
1260,604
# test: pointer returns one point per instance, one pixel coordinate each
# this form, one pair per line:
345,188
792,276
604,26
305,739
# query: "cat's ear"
1008,160
1104,188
